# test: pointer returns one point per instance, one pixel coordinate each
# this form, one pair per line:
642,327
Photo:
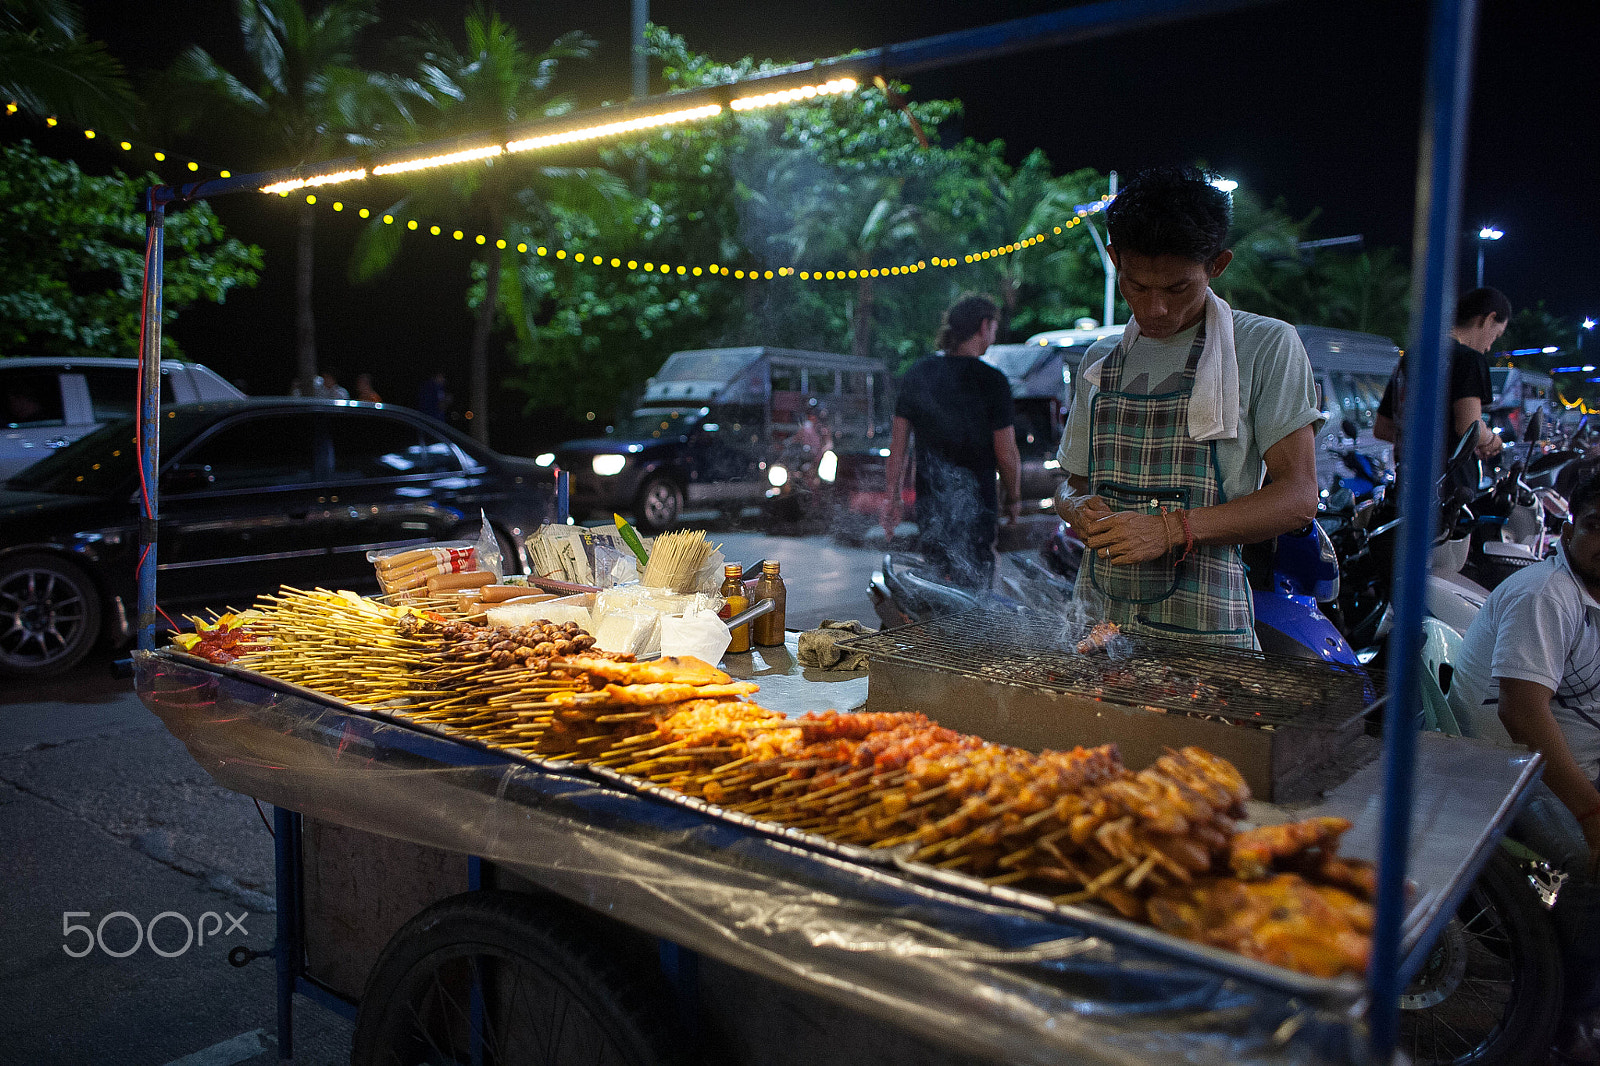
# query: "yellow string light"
429,162
837,87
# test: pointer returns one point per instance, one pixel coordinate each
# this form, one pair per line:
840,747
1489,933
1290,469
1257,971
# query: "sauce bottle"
767,630
734,602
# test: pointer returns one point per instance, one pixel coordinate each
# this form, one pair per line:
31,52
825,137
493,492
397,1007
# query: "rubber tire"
658,505
547,937
1528,1027
81,587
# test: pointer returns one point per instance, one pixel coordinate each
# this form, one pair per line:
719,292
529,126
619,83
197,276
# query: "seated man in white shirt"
1530,673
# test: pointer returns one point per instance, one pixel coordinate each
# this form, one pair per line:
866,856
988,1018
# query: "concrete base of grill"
1281,764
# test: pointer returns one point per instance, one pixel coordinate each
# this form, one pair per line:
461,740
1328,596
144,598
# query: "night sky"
1314,103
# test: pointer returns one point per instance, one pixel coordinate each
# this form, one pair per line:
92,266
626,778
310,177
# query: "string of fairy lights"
601,260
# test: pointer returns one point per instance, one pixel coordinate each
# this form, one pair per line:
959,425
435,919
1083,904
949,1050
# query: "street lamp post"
1487,233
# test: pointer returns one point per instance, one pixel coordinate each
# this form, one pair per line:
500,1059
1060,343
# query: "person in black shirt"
959,407
1481,317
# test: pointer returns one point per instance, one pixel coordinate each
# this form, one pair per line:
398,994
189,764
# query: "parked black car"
253,494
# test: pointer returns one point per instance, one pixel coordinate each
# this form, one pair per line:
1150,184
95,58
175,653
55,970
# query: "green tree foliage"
304,96
48,67
1538,327
493,82
72,252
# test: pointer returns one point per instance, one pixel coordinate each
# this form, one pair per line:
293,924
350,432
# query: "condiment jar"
735,602
767,630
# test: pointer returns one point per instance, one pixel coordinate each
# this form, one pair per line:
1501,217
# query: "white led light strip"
613,128
320,179
789,96
439,160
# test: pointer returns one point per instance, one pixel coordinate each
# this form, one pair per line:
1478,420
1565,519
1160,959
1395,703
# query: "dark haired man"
960,409
1481,317
1529,672
1174,424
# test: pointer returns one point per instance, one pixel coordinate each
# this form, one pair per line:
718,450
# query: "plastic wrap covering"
990,978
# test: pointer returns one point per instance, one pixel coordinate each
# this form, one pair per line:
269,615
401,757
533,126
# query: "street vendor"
1175,422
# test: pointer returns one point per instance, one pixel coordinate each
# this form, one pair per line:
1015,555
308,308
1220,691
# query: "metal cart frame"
1438,210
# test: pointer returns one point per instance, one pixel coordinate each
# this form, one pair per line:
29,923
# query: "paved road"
102,811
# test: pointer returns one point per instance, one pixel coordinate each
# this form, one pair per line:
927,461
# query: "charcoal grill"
1017,678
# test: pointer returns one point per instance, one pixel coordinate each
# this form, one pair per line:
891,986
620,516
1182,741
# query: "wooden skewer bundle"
675,560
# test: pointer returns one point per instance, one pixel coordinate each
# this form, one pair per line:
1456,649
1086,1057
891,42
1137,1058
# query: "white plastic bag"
701,634
489,558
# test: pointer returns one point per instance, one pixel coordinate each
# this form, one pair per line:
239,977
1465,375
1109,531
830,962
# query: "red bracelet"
1188,536
1590,813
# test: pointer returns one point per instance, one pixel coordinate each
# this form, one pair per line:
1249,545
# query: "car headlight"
545,459
828,466
608,465
777,476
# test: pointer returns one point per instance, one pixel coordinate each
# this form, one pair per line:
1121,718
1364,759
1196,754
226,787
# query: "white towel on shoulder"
1214,400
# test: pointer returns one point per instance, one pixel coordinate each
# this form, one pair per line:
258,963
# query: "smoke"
955,530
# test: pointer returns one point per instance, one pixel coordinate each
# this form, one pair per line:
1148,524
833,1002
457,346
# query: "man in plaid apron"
1174,425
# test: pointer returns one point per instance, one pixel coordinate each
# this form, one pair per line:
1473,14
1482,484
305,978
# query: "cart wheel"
498,977
1490,991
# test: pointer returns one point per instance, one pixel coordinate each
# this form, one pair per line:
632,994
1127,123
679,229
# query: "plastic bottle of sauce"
767,630
735,601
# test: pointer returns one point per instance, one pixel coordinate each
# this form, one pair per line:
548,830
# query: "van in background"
1351,371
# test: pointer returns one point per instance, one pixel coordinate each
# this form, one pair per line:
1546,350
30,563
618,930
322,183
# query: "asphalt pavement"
107,824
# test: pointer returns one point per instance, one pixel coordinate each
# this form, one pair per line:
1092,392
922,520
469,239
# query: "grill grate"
1181,676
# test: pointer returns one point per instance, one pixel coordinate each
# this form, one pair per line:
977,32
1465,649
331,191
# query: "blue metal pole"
149,422
1438,212
563,496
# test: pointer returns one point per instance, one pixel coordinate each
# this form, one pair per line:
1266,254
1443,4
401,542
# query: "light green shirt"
1277,394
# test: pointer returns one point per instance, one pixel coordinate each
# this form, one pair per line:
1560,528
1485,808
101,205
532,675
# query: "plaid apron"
1142,458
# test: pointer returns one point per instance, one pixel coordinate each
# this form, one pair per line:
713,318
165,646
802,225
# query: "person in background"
1529,672
433,399
364,390
1175,422
1481,317
959,409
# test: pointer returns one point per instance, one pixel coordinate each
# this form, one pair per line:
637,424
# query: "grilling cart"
447,894
622,898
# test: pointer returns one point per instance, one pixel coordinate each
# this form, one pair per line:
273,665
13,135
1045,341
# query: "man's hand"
1080,510
1126,537
1489,442
889,517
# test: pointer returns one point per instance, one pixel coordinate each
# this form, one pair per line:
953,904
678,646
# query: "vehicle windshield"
658,422
92,465
105,461
713,364
1014,360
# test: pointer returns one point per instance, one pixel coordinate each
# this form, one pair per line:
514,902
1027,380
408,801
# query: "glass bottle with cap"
734,601
767,630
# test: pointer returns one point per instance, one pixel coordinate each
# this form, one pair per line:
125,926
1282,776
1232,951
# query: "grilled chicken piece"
1283,920
672,692
1253,852
683,670
1098,637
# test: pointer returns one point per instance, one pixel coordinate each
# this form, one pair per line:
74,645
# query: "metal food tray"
730,842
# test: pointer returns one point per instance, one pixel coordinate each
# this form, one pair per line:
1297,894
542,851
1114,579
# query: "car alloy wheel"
49,615
660,501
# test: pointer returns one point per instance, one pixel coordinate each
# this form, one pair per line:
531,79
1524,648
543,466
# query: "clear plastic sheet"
990,979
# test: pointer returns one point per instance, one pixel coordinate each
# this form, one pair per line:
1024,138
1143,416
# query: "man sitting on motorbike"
1530,673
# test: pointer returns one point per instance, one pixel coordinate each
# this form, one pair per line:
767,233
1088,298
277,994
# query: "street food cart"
976,967
390,816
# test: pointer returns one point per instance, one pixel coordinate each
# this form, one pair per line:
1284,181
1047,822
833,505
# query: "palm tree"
305,96
47,66
491,83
